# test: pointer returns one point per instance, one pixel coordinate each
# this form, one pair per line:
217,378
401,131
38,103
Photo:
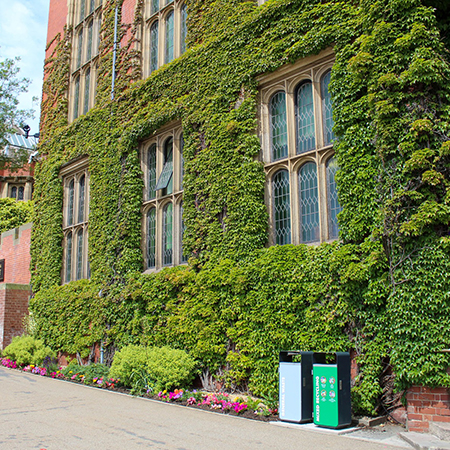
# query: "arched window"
81,197
89,42
151,168
69,257
167,236
70,203
165,180
82,10
278,126
151,238
181,161
76,97
327,110
14,192
154,46
281,207
154,6
183,28
305,118
309,203
91,6
183,256
80,47
87,85
79,255
332,196
20,194
169,38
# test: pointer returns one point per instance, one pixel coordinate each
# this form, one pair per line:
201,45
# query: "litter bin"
332,402
296,395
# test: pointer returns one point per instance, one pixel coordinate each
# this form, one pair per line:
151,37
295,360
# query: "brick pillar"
427,405
13,308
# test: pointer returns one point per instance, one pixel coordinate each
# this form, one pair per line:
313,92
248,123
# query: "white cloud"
23,32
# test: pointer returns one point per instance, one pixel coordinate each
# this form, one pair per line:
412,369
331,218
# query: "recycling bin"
295,393
332,402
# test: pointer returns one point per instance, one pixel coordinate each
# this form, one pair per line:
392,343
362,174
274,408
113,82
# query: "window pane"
76,97
151,166
80,48
183,31
165,180
169,38
20,195
151,238
183,256
167,234
70,204
333,203
89,42
278,124
91,6
305,118
97,35
87,87
281,208
181,161
68,257
80,255
327,110
154,47
14,192
82,10
154,6
309,203
81,195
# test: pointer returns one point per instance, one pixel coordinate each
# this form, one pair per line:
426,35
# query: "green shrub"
28,350
131,359
90,371
164,368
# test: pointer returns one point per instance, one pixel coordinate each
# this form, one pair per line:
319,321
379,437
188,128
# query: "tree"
10,87
14,214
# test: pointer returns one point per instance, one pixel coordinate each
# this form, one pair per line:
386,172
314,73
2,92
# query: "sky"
23,33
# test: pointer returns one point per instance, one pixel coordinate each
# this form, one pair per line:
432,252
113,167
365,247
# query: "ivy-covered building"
237,177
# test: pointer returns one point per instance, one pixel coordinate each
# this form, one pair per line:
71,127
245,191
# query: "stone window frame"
73,172
84,66
288,79
160,17
162,198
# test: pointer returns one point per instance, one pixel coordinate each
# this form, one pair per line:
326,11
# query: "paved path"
38,412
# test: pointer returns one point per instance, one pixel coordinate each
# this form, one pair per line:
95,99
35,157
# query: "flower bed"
220,402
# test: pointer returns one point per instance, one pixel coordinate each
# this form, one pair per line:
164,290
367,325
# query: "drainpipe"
114,53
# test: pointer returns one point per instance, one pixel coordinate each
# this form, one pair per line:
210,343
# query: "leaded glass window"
278,124
69,257
151,238
87,87
79,255
305,118
82,9
165,180
81,196
76,97
327,110
181,161
281,208
169,38
309,203
14,192
91,6
183,30
154,6
333,202
89,41
151,168
70,203
183,256
80,47
154,46
167,234
20,194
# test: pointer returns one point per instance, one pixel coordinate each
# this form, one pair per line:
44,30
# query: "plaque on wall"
2,270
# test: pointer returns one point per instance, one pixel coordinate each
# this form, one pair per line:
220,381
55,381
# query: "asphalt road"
41,413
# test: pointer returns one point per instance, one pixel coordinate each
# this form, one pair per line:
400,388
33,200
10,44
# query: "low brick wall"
425,405
13,308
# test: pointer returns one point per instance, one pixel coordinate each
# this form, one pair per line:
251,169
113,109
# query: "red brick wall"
425,405
57,18
128,9
15,250
13,308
